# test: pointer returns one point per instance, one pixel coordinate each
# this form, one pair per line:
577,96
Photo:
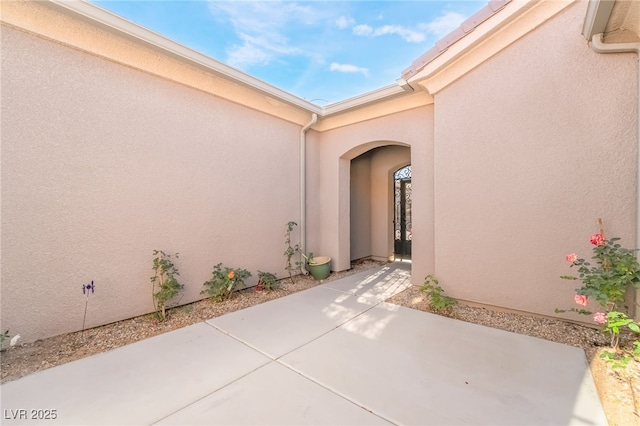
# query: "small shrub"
165,285
437,301
268,280
223,281
615,270
4,336
290,251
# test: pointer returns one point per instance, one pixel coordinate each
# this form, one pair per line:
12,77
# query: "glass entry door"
402,215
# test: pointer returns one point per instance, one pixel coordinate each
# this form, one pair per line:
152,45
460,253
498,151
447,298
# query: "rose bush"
615,270
607,281
581,300
600,317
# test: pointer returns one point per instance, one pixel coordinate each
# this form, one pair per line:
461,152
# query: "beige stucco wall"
101,164
532,147
360,205
329,159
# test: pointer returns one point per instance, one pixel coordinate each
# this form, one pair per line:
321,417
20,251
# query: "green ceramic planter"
319,267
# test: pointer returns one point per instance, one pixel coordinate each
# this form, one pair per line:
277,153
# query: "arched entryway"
371,201
398,140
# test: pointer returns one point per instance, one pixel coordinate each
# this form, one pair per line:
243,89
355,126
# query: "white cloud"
247,55
262,27
439,27
444,24
362,30
347,68
407,34
343,22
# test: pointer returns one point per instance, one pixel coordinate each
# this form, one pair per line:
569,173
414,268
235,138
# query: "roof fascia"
487,39
383,94
443,44
597,17
373,110
114,23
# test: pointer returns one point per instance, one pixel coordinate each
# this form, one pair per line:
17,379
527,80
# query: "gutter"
598,46
401,87
303,182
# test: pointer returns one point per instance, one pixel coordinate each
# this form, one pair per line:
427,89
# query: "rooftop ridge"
441,46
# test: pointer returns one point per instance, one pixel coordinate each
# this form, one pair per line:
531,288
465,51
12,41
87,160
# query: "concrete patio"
334,354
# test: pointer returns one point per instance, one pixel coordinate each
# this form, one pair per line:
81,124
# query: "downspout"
303,182
599,46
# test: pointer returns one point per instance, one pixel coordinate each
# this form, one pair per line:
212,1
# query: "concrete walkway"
334,354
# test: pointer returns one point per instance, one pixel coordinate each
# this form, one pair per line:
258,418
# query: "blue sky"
320,51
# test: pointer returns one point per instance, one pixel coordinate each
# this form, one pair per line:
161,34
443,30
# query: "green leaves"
615,360
165,285
291,251
576,310
4,336
269,281
615,269
224,281
437,300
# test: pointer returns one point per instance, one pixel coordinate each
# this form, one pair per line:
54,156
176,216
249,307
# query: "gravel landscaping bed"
617,388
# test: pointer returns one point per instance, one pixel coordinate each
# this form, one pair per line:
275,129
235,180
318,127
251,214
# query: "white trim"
367,98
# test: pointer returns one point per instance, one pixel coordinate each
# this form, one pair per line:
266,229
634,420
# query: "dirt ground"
619,389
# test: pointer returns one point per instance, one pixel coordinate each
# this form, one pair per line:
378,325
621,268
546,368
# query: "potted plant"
318,266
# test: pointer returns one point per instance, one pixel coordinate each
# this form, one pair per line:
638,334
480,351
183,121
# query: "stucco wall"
328,186
101,164
360,204
532,147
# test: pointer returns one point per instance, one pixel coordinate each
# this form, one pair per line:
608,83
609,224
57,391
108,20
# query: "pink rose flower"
571,258
580,299
597,239
600,317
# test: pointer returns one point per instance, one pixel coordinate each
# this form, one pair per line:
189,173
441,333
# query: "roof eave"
492,32
385,93
442,45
